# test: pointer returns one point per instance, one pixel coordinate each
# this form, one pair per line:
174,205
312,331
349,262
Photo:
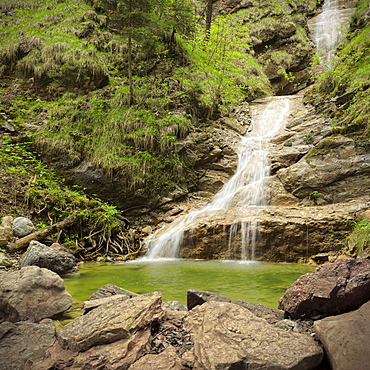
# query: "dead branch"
23,243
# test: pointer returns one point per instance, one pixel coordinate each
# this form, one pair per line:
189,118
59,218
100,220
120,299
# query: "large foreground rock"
32,294
111,322
20,341
110,336
228,336
41,255
330,289
346,339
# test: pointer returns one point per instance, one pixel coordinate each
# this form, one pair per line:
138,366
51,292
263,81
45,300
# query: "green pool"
256,282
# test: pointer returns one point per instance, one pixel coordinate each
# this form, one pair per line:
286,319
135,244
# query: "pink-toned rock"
346,339
330,289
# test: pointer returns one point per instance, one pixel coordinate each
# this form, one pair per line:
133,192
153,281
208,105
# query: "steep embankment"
168,132
66,79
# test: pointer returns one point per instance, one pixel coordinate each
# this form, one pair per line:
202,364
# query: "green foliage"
48,199
222,71
360,235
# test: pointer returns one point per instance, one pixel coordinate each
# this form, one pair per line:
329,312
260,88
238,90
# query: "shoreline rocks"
331,289
32,293
122,330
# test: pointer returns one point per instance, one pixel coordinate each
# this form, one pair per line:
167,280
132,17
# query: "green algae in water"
256,282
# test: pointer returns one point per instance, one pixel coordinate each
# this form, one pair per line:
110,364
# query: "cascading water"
328,32
245,189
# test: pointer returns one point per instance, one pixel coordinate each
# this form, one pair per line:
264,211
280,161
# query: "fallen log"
23,243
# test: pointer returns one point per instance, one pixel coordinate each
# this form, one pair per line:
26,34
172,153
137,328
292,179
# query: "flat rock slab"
346,339
19,341
111,322
109,290
331,289
32,294
228,336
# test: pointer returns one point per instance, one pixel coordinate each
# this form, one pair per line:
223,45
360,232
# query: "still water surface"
256,282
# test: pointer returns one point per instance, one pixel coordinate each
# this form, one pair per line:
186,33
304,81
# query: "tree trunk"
129,46
42,234
209,10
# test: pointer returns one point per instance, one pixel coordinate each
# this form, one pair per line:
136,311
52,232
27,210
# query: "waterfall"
246,189
328,32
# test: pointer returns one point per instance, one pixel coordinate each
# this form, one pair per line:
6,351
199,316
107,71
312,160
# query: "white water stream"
328,31
244,190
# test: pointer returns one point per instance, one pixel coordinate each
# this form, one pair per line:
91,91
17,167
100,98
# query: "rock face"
20,341
346,339
228,336
59,261
22,226
311,200
284,233
32,294
197,297
326,169
331,289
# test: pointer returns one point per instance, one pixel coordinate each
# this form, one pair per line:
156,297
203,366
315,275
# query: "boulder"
111,322
20,341
56,260
346,339
109,290
6,234
330,289
7,221
22,226
32,294
229,336
197,297
174,306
